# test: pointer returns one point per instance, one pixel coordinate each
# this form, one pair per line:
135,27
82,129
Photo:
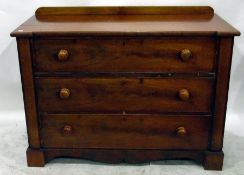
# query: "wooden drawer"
125,131
131,54
130,95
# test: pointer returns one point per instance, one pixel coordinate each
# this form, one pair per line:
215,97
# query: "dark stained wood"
28,88
118,95
182,21
98,13
35,157
126,74
121,54
224,65
125,84
132,10
125,155
213,160
210,160
125,131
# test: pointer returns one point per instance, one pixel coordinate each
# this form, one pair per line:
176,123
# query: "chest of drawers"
125,84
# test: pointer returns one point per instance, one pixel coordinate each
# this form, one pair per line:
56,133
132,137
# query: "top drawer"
125,54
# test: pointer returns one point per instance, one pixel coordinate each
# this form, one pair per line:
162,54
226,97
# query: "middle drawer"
120,95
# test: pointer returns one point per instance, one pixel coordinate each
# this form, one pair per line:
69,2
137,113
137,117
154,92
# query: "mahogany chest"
125,84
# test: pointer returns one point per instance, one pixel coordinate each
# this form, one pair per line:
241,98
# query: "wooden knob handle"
184,94
63,55
181,131
64,93
185,55
67,129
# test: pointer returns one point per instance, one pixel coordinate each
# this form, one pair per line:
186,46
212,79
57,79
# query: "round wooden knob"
64,93
184,94
67,129
185,55
63,55
181,131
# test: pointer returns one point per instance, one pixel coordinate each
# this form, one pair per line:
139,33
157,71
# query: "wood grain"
28,88
224,63
118,95
121,54
132,10
213,160
180,21
210,160
125,84
35,157
98,13
125,131
131,156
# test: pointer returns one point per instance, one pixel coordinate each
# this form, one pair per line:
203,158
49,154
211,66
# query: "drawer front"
120,95
135,54
124,131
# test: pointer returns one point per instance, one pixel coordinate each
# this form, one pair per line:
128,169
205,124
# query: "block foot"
35,157
213,160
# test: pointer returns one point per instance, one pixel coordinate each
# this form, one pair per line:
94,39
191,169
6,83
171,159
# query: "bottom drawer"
125,131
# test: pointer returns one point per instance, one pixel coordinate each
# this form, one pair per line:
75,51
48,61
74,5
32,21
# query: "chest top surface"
173,21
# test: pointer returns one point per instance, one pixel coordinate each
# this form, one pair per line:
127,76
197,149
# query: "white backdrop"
15,12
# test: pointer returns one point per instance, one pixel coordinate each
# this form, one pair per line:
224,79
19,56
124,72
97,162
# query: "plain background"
15,12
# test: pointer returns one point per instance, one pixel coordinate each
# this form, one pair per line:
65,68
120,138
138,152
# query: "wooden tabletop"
83,21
